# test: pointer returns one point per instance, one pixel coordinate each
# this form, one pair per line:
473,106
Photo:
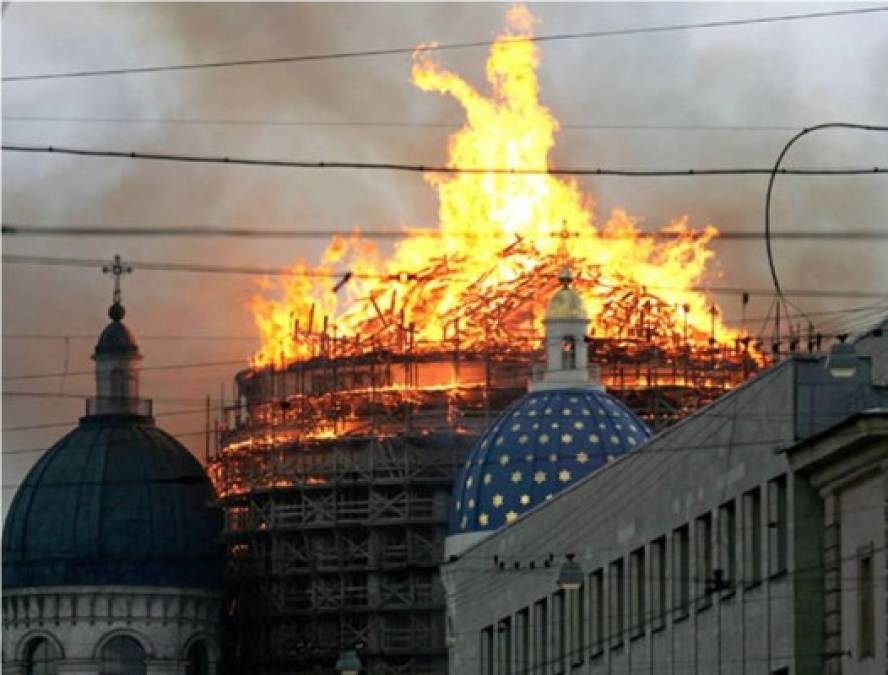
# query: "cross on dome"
117,268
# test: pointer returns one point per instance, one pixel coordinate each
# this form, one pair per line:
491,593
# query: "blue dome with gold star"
543,443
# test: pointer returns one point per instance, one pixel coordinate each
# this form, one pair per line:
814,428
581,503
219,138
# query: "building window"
596,612
727,547
637,593
541,656
198,659
522,643
123,655
577,600
617,595
568,353
504,648
703,531
486,661
777,525
752,537
559,630
866,604
681,572
41,658
658,583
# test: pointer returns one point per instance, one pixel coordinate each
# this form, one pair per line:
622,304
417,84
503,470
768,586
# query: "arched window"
123,655
41,658
198,659
568,353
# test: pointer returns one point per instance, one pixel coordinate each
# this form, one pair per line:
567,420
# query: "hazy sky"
786,74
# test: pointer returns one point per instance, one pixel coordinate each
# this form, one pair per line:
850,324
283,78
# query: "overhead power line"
585,35
395,124
422,168
11,229
10,258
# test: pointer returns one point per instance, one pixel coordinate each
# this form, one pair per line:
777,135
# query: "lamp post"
570,576
842,361
348,662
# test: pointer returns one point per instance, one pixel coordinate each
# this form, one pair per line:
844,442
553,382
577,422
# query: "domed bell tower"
566,321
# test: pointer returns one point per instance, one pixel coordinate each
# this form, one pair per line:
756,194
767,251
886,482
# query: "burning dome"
547,441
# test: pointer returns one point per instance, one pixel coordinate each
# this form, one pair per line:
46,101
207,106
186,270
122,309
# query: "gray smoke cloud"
782,74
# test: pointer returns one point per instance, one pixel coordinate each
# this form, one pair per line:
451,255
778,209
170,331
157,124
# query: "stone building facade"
701,551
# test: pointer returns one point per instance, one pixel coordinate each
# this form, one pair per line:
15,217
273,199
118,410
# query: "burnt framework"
335,475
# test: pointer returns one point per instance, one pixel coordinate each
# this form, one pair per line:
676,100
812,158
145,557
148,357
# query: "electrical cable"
12,229
440,169
642,30
398,125
769,192
11,258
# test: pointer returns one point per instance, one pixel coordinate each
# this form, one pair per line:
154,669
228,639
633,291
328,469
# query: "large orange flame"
487,272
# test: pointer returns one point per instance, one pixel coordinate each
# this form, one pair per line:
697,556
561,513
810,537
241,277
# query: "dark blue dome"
115,502
546,441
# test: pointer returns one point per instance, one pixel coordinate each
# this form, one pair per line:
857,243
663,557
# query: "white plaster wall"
79,620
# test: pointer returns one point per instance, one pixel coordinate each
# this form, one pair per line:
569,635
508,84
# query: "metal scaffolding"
335,469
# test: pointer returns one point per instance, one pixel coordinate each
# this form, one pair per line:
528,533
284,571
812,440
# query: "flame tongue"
503,239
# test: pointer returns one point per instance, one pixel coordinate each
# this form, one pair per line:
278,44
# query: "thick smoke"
782,74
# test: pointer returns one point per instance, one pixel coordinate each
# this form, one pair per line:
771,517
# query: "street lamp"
570,577
348,663
842,361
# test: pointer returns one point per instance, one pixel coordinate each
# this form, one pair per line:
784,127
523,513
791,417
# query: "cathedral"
111,553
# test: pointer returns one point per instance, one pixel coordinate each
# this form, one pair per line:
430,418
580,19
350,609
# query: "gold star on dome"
548,497
585,411
614,440
631,440
472,503
468,463
503,460
578,425
482,519
511,517
497,500
525,500
566,438
574,399
522,439
539,477
618,426
528,457
593,438
566,412
516,476
458,505
516,427
582,457
463,523
564,475
553,457
555,425
632,427
544,438
469,482
532,413
500,440
487,478
548,411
